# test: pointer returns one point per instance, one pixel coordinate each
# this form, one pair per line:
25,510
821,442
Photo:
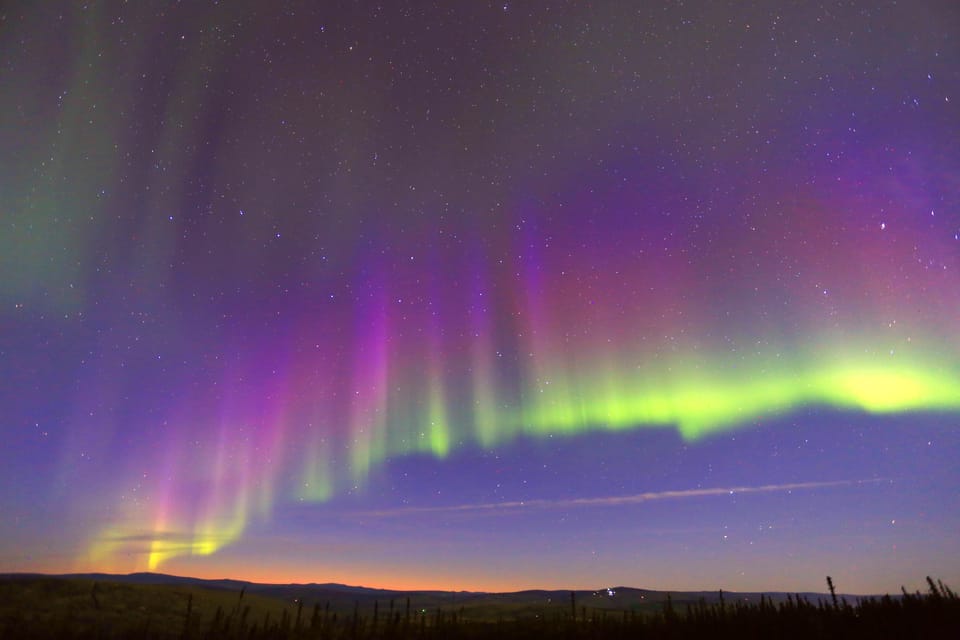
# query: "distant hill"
476,605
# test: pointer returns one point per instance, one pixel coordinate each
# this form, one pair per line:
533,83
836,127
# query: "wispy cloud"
614,501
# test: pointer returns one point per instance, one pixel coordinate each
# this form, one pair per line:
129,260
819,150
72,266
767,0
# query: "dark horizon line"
337,586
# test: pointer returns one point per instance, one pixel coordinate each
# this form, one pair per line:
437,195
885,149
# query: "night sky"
472,295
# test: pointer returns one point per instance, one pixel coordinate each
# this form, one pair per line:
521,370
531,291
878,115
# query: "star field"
482,295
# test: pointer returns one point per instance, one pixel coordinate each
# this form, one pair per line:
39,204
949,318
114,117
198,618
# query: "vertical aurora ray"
436,421
369,390
437,426
483,396
546,389
317,479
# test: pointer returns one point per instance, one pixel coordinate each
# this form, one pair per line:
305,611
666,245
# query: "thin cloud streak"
613,501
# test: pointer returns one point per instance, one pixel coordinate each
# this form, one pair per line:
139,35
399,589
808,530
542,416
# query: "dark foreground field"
162,607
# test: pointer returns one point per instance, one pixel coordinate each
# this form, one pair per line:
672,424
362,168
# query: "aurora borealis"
481,295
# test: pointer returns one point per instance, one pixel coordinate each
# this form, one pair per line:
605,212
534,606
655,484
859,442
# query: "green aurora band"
699,401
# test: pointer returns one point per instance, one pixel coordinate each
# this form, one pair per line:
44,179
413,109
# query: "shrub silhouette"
108,616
